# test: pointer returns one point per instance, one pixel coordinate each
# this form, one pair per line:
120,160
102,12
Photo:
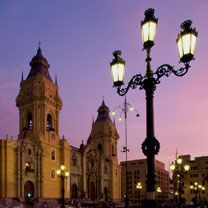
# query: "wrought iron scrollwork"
182,71
163,70
150,145
136,80
166,70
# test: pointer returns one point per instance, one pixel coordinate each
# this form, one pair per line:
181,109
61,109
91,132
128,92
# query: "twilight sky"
78,38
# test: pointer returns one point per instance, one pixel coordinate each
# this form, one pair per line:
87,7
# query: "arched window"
113,150
29,121
49,125
53,174
74,161
100,148
29,151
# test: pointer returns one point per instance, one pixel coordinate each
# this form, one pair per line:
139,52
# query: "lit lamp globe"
117,69
179,161
186,41
67,174
186,167
139,185
62,167
172,167
148,28
159,190
58,172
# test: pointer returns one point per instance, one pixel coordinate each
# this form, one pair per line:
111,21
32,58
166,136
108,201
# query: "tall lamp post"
124,109
186,42
139,187
62,174
179,170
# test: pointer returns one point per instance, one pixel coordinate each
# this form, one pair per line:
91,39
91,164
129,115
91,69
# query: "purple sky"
78,38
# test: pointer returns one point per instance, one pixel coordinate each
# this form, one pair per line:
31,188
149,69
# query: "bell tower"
101,161
39,102
39,151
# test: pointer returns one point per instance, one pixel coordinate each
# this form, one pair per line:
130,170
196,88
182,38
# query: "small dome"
39,65
103,113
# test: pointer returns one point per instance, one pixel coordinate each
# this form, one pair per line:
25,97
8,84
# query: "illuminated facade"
28,164
94,166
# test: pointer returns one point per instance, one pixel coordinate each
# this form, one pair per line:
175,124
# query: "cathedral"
29,163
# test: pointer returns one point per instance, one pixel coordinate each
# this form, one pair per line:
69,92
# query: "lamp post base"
149,203
126,202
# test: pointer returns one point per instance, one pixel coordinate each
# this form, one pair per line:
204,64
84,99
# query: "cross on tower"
39,43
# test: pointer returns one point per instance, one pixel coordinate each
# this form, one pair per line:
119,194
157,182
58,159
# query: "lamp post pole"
62,191
126,150
179,170
62,174
186,41
125,108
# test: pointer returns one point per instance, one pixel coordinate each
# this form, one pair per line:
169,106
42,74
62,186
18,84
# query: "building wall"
7,168
136,172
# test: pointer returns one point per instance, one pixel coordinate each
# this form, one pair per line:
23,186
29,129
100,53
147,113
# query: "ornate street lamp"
139,188
186,42
124,109
197,188
62,174
179,170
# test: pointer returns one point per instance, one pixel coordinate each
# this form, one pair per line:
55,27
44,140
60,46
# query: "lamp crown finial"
117,53
149,13
186,26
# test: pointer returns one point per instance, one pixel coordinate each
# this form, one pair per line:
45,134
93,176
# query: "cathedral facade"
28,164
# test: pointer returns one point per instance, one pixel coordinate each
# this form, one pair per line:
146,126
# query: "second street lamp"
197,188
124,109
62,174
186,42
179,170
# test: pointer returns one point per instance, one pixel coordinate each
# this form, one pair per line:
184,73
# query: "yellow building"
28,164
94,166
136,173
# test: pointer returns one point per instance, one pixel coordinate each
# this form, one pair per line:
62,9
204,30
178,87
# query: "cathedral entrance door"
74,191
29,190
105,193
92,194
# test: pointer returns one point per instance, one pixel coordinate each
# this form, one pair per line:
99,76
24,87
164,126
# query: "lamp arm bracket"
136,80
166,70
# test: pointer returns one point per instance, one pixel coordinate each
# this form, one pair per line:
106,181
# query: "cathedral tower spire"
103,113
39,65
